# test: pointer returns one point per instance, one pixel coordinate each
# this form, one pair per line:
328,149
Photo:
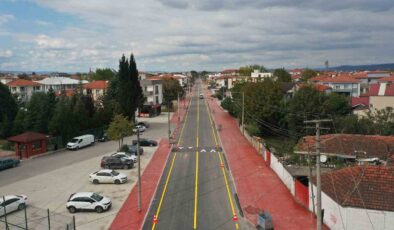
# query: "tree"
307,74
171,88
8,110
245,71
103,74
23,76
119,128
37,118
336,105
282,75
19,122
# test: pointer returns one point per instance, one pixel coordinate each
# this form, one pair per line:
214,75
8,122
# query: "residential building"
230,72
24,89
381,95
96,89
369,77
60,83
256,74
7,79
152,88
357,197
341,84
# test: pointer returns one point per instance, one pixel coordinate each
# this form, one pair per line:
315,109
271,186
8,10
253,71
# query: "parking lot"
48,181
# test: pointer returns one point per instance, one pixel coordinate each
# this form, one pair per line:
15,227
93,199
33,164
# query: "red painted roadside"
258,187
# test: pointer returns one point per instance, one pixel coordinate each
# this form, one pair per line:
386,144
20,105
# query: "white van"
81,141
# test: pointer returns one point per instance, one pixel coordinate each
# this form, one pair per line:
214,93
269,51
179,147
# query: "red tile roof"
360,101
22,82
387,79
69,92
366,187
322,88
230,71
319,78
297,76
374,89
101,84
360,75
363,146
28,137
341,79
153,78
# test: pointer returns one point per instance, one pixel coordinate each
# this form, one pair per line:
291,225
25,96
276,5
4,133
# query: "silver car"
11,203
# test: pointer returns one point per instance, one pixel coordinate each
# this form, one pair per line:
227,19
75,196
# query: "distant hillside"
389,66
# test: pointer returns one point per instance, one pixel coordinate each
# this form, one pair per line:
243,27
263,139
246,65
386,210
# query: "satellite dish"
323,158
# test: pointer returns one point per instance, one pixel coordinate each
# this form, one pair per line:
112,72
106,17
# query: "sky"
182,35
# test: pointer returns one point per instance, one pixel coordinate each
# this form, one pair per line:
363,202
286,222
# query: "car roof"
82,194
105,171
7,197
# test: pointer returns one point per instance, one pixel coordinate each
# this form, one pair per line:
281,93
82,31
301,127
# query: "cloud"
4,18
5,53
42,23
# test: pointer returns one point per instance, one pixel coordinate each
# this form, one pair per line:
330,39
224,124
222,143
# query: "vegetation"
282,75
103,74
307,74
247,70
171,89
8,111
119,128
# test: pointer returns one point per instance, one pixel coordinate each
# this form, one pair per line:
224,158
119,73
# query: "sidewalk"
128,217
257,185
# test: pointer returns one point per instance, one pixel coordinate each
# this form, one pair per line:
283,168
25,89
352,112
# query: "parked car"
201,96
88,201
12,203
145,142
102,138
116,163
8,162
133,150
143,123
125,156
107,176
140,128
80,142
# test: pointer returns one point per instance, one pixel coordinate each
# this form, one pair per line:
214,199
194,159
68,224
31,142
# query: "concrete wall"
282,173
337,217
380,102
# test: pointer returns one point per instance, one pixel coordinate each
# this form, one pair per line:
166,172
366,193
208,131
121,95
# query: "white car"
125,156
107,176
12,203
88,201
141,128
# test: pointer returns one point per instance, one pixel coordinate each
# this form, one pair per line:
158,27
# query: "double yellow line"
221,163
196,179
172,165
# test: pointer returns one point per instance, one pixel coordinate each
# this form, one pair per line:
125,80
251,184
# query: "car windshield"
74,140
96,197
115,173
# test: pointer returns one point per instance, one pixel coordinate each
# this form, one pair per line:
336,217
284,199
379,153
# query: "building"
256,74
341,84
357,197
23,89
369,77
29,144
96,89
381,94
60,83
152,88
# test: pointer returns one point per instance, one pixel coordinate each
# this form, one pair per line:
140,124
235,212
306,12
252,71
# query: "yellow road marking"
172,165
196,180
221,162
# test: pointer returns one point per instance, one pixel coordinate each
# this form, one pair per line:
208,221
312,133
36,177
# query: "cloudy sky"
177,35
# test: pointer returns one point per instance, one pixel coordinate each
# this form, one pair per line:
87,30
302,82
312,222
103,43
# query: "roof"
61,81
69,92
341,79
360,75
375,88
318,78
22,82
362,146
101,84
230,71
366,187
27,137
360,101
321,88
387,79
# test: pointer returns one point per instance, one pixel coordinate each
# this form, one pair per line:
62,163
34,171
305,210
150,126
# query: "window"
157,99
36,145
156,89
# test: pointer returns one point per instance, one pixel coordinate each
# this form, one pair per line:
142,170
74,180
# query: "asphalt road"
195,192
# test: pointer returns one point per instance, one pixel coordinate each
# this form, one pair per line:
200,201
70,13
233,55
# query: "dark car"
116,163
143,123
133,150
6,163
102,138
145,142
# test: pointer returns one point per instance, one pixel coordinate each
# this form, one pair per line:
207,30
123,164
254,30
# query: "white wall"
337,217
282,173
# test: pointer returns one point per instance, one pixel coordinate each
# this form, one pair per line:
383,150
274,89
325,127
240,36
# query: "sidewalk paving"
258,187
128,216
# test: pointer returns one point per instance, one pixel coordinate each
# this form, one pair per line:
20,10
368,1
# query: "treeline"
67,116
270,112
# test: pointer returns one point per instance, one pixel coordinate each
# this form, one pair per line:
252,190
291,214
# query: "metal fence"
36,218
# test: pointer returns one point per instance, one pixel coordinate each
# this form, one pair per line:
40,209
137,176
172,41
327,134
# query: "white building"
24,89
342,84
152,88
358,197
60,83
256,74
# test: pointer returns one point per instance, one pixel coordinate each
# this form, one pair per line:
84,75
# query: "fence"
34,218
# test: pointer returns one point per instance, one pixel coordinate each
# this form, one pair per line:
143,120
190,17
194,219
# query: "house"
7,79
60,83
350,147
341,84
360,105
369,77
230,72
357,197
96,89
152,88
29,144
24,89
256,74
381,94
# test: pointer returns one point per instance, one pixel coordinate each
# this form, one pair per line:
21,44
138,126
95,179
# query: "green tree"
19,122
245,71
119,128
171,88
37,118
103,74
307,74
336,105
282,75
8,110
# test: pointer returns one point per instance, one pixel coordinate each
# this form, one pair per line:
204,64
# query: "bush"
252,129
5,145
124,148
228,105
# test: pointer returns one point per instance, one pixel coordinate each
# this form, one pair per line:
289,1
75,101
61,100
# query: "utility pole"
169,128
139,170
318,177
179,116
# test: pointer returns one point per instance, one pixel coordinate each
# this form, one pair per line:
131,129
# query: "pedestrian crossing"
200,149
